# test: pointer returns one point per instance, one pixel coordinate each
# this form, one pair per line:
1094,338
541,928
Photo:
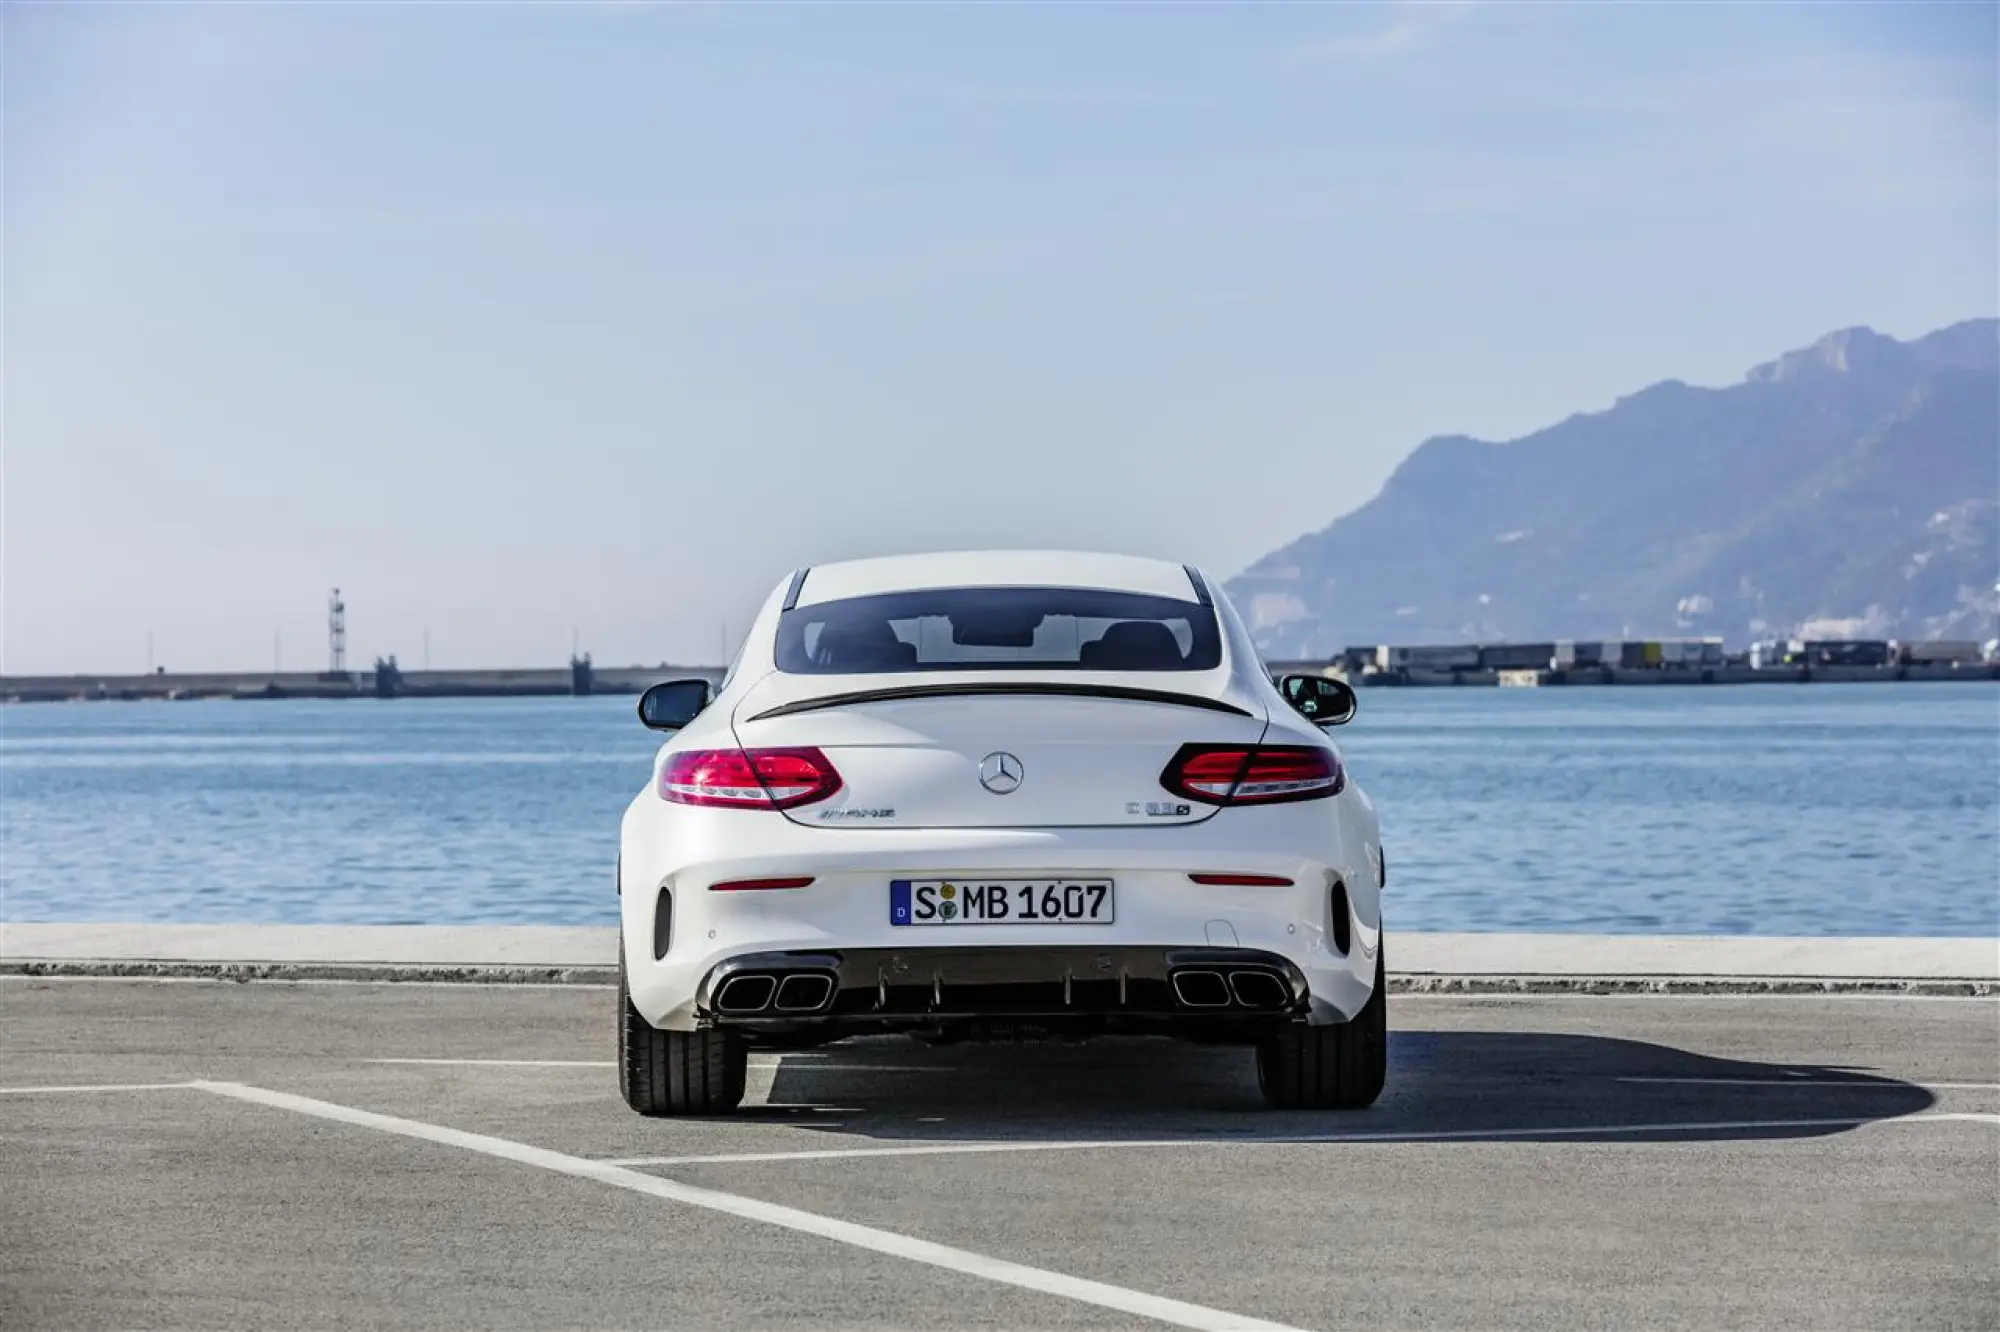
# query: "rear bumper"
1323,928
1217,991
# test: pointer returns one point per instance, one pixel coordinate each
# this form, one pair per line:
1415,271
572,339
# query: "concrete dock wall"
523,683
1688,675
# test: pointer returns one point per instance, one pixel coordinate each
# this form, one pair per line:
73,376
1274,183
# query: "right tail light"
1254,774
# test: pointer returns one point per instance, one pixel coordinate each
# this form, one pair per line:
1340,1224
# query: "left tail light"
1253,774
747,778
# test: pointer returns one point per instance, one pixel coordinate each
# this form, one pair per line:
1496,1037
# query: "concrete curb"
1421,963
606,977
402,973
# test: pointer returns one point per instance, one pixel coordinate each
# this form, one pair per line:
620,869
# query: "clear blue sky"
509,319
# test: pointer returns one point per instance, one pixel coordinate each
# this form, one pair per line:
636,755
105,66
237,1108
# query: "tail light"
747,778
1253,774
760,885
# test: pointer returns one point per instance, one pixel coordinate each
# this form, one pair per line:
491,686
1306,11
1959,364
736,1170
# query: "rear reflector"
1253,774
1243,880
747,778
756,885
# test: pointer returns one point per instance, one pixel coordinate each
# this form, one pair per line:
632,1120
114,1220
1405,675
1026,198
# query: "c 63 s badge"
827,815
1158,809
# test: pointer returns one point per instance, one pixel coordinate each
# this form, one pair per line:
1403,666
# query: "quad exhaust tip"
760,991
1201,989
750,993
804,992
1258,989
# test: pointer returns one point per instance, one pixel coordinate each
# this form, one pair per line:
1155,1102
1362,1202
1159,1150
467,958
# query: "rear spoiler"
1031,688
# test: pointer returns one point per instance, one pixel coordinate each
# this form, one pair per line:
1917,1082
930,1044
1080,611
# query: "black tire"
1330,1068
676,1072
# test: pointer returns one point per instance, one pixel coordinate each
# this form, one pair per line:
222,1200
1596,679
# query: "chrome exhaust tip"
751,993
804,992
1201,989
1259,989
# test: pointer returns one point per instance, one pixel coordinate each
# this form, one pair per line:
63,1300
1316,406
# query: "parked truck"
1356,660
1438,657
1936,652
1769,654
1841,651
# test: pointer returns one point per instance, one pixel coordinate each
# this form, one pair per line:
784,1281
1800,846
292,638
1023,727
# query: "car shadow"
1442,1085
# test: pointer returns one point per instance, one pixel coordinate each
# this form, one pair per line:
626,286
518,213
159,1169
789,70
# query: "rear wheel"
676,1072
1330,1068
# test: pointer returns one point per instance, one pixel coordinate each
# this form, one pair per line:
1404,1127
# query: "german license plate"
1000,902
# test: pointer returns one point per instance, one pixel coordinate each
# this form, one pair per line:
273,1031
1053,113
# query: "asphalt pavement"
203,1153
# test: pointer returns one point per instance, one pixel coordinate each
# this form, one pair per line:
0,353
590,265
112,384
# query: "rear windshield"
998,628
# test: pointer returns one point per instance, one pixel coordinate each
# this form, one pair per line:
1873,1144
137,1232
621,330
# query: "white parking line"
94,1087
504,1063
1294,1140
1803,1081
750,1209
790,1063
814,1066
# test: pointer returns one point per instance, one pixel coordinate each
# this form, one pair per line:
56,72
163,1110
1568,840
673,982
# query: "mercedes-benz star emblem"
1000,772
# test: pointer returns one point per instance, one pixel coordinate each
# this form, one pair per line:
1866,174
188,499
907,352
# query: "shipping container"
1691,652
1570,653
1444,657
1937,650
1516,656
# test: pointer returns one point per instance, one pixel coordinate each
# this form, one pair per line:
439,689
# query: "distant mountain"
1851,488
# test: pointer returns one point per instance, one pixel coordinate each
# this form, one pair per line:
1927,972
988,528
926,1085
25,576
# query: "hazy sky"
513,319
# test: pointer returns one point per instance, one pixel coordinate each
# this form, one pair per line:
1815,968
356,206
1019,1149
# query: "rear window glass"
998,628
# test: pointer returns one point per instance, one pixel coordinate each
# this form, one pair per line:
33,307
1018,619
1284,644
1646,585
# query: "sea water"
1818,809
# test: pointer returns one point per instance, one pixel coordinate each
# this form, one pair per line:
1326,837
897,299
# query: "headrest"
864,645
1133,645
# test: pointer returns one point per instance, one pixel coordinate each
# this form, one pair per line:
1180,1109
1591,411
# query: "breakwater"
588,680
1686,675
580,678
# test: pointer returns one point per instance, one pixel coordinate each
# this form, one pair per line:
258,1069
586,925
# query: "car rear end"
998,806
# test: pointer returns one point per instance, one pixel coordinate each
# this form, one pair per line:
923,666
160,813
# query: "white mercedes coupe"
999,795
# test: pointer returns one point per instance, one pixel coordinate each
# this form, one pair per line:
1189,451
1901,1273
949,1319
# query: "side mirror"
672,704
1320,699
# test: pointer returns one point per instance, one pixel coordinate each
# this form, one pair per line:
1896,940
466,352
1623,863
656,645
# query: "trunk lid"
926,751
